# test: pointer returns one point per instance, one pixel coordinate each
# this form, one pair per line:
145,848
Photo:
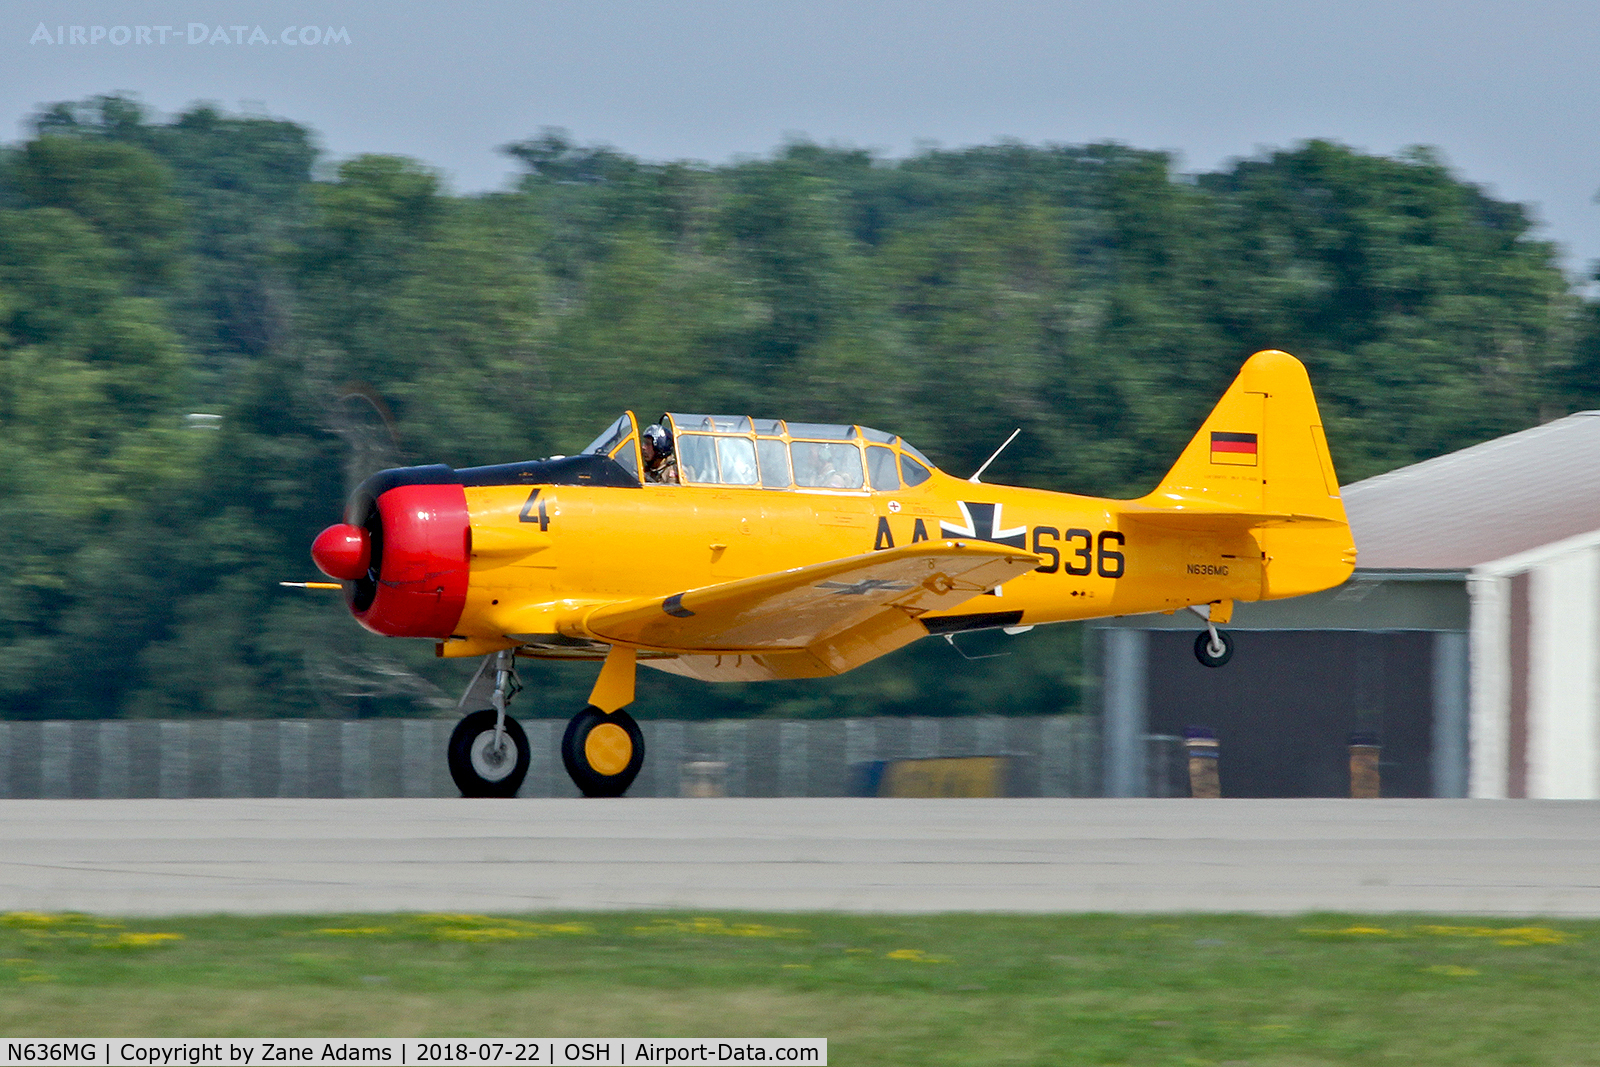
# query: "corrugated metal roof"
1482,503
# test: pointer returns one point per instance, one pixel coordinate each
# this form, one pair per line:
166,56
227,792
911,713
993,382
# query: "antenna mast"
996,455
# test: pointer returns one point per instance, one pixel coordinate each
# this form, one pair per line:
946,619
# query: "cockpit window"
737,458
820,465
877,435
913,472
704,459
880,468
626,454
697,458
774,456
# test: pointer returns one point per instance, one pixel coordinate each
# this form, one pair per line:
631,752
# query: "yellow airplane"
799,550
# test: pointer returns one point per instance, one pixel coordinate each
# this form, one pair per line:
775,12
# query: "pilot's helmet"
659,439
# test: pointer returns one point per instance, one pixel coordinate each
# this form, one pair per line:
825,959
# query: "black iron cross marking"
983,524
866,585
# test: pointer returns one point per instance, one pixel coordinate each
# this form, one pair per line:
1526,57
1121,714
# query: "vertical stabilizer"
1261,456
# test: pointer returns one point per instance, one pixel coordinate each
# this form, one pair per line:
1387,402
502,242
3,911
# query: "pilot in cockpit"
655,445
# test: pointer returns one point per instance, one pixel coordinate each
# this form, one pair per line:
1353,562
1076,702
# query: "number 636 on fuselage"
798,550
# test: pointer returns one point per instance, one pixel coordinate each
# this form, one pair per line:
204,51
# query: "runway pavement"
151,857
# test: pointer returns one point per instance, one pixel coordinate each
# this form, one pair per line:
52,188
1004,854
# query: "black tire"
579,755
472,764
1202,649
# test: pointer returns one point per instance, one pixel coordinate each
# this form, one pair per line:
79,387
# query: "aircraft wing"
879,593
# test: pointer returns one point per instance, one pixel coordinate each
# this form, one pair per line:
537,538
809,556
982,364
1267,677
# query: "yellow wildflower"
34,919
713,927
1532,935
1505,935
916,955
139,940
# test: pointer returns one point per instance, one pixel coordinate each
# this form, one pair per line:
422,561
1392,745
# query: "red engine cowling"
418,540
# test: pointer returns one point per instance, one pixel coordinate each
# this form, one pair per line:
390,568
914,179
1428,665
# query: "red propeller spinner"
342,551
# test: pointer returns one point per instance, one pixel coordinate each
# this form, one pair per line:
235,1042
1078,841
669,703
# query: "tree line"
208,333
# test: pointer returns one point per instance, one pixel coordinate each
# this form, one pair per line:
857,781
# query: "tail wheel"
1213,652
480,766
602,752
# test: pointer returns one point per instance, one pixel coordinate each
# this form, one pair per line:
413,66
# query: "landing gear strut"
602,749
488,751
1214,648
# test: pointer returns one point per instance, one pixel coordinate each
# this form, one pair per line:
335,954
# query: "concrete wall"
1056,756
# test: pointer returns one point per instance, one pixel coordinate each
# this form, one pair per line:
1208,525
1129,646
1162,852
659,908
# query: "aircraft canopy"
778,454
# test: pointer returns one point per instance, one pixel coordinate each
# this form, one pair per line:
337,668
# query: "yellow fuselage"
600,545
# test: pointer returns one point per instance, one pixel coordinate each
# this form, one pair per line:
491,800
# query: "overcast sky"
1506,90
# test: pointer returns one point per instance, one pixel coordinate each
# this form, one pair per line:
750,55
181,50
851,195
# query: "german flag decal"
1238,449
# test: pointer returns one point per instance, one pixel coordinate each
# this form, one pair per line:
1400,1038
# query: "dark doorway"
1285,707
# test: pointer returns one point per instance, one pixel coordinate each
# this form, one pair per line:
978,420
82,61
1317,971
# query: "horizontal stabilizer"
1219,517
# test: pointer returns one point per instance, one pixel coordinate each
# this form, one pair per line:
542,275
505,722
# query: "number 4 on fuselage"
798,550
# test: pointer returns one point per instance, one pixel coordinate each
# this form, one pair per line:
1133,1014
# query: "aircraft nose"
342,551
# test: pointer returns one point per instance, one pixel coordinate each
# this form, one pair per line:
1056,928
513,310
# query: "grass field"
950,989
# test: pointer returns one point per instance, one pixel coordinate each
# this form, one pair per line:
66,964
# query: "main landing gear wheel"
602,753
480,766
1213,648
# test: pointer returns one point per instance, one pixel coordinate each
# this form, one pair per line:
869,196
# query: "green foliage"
151,268
120,190
91,391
